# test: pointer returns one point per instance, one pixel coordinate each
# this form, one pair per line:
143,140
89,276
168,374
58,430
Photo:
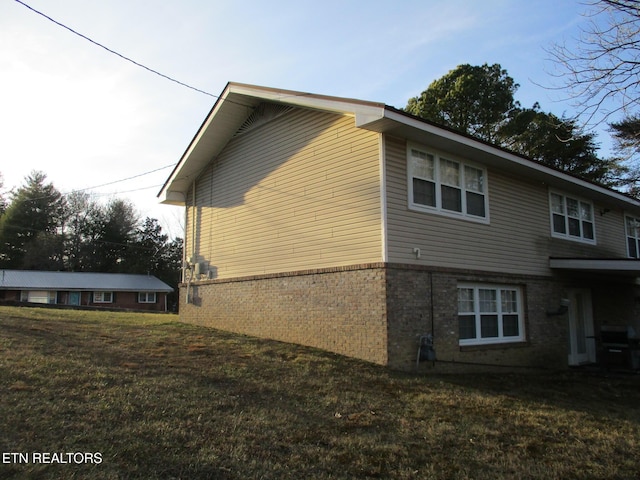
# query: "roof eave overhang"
238,100
421,131
234,105
615,266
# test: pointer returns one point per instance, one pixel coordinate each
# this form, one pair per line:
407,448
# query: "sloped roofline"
238,100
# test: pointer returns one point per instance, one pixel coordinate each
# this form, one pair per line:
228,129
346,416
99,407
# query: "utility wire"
124,179
79,190
125,191
116,53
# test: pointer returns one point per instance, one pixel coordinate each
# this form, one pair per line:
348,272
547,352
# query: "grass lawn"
153,398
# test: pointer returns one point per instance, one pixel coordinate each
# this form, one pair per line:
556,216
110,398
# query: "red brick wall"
122,300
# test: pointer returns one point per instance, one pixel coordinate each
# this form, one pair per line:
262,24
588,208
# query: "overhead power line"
79,190
116,53
124,179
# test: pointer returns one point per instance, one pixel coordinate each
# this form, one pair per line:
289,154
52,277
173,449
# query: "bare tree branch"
602,75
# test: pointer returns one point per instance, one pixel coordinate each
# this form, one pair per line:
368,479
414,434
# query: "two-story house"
354,227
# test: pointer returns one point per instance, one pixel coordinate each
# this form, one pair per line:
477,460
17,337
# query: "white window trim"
500,339
627,236
98,297
143,297
438,207
38,295
567,236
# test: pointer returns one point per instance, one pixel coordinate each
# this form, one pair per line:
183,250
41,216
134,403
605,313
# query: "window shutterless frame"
444,184
146,297
632,232
102,297
490,314
572,218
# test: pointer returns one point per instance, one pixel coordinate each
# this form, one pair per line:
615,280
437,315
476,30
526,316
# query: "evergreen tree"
29,225
472,99
116,230
480,101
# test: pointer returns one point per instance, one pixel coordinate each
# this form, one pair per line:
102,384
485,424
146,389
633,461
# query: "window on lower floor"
490,314
102,297
147,297
38,296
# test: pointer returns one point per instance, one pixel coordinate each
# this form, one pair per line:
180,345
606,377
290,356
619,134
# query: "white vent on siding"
263,113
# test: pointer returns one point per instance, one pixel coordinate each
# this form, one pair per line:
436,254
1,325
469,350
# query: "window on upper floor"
490,314
572,218
632,228
442,184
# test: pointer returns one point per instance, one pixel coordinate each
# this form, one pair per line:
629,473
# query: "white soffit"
233,107
238,100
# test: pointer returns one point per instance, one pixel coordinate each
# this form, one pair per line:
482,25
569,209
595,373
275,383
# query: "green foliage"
43,230
560,144
3,200
480,101
475,100
627,133
34,214
116,237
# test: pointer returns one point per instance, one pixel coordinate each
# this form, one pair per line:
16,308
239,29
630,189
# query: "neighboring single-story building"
355,227
88,289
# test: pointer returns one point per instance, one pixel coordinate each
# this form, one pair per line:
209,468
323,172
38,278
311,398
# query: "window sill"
569,238
413,207
493,346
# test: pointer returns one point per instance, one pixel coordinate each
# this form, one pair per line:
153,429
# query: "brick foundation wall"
418,294
341,310
377,312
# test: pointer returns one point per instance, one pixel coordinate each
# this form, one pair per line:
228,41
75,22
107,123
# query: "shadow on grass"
168,400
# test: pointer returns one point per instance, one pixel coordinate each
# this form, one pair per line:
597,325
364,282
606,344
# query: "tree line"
42,229
480,101
600,75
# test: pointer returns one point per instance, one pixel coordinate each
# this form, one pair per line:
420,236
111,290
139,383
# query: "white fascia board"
233,101
520,161
172,197
189,167
364,112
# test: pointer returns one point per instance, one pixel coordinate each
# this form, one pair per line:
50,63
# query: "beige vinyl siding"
610,237
517,238
299,192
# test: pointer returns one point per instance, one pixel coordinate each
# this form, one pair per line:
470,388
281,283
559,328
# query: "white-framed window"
572,218
146,297
38,296
443,184
102,297
490,314
632,229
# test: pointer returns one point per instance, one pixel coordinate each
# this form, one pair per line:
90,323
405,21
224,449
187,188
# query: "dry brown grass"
160,399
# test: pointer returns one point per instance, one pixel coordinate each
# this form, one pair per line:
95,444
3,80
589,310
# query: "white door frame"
582,346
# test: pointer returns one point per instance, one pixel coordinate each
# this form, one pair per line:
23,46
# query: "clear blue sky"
86,117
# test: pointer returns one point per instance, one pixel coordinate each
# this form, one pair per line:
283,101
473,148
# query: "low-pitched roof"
237,101
84,281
